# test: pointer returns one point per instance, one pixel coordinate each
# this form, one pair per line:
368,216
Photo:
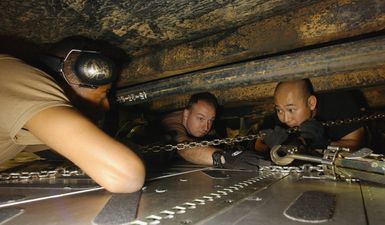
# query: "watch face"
217,163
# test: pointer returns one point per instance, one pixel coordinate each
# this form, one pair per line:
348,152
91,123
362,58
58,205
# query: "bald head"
303,88
294,101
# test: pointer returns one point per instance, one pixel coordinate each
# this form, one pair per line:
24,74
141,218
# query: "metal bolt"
160,190
256,199
186,221
374,164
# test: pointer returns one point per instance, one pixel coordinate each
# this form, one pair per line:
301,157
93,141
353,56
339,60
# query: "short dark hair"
307,88
203,96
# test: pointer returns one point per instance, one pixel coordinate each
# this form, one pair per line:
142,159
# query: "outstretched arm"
110,163
352,140
260,146
198,155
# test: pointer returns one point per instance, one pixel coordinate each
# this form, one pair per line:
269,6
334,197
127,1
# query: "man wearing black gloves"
238,159
194,123
296,105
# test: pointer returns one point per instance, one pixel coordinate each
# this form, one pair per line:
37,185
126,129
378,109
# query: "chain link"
56,173
359,119
229,141
194,144
305,168
65,172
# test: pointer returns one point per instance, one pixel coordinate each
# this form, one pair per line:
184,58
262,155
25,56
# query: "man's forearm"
351,144
198,155
260,147
353,140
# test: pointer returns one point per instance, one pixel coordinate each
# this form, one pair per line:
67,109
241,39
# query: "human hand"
274,136
247,160
312,131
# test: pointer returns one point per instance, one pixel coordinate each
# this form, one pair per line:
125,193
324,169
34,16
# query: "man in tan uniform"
37,108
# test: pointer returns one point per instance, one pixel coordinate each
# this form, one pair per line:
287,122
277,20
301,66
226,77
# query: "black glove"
312,131
247,160
274,136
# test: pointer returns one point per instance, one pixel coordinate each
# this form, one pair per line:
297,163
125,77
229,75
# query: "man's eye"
291,110
278,110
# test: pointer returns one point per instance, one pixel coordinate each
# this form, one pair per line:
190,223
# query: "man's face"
91,102
97,97
291,108
199,119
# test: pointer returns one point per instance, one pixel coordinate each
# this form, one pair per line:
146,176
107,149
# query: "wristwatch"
217,163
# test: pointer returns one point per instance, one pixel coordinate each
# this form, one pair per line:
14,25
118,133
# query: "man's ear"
186,112
312,102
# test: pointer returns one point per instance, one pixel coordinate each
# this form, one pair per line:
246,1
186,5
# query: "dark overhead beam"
358,55
370,81
375,96
321,22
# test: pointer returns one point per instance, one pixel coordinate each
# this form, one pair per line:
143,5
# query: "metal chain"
56,173
215,142
65,172
348,121
296,169
228,141
359,119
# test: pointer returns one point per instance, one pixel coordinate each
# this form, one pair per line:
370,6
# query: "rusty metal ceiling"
136,26
166,39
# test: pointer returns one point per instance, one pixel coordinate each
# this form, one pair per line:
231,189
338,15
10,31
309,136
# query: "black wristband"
217,163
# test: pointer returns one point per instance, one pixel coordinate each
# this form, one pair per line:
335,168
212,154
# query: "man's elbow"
126,181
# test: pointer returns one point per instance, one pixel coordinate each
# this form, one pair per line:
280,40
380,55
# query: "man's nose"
104,103
206,126
286,117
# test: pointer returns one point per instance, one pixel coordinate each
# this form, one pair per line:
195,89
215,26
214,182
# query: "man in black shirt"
296,105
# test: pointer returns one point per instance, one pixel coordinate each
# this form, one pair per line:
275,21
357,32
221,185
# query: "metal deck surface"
187,195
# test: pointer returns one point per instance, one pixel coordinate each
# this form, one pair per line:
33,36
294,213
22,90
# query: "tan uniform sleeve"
24,91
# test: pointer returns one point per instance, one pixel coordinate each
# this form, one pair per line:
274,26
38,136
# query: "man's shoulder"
173,123
173,117
8,62
337,96
342,104
5,56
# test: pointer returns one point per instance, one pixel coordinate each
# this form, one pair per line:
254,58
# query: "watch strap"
217,163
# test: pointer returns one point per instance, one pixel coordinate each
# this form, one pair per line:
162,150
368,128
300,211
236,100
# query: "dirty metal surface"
199,195
192,197
136,26
373,198
309,25
341,58
15,191
268,206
